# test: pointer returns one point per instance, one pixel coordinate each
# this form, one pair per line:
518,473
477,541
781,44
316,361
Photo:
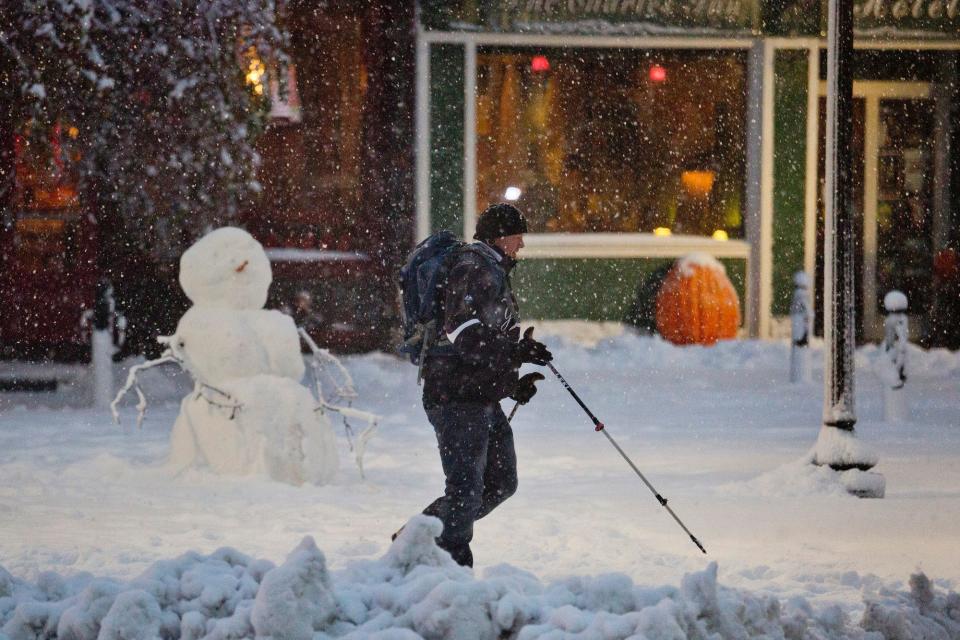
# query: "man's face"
510,245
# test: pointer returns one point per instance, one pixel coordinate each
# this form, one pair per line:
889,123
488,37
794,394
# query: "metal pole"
599,426
839,299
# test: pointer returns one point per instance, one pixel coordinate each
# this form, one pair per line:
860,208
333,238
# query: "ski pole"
515,407
599,426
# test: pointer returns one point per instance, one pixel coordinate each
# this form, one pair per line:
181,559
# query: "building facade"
334,211
630,132
633,132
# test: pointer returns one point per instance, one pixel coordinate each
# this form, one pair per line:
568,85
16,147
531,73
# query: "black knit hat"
500,220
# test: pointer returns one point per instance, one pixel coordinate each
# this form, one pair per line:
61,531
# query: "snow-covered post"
101,345
837,445
801,324
891,366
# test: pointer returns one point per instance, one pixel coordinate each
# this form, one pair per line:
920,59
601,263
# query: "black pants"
480,463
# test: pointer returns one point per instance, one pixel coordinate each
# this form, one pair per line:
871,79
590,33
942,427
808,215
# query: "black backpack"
422,279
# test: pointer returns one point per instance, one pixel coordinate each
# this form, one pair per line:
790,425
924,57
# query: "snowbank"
601,341
417,591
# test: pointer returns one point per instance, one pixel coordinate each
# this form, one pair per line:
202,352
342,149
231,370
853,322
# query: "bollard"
801,325
891,365
102,349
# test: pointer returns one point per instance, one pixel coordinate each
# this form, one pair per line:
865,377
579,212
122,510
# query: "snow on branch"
343,390
214,396
132,381
360,446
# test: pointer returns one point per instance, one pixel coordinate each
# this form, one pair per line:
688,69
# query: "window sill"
627,245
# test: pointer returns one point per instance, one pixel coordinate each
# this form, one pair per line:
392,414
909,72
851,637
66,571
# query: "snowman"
248,412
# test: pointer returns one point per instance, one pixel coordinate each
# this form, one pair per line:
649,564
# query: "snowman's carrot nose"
242,266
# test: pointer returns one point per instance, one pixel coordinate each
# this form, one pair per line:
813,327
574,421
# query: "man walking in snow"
463,388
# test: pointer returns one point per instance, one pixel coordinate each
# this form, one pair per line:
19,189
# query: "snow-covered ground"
582,548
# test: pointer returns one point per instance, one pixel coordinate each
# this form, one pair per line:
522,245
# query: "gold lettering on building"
940,10
712,10
901,9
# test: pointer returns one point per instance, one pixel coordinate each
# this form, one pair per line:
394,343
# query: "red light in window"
658,73
539,64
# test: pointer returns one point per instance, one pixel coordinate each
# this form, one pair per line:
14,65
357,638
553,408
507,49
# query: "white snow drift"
88,511
417,591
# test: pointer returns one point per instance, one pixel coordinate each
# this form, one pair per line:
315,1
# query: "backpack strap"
492,258
429,336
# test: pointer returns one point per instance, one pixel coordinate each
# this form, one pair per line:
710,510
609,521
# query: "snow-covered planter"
697,303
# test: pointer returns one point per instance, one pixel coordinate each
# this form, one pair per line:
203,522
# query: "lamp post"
837,445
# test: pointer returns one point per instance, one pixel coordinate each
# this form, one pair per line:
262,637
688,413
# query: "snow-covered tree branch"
157,95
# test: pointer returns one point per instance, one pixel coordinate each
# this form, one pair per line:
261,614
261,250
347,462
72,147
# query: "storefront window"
46,170
598,140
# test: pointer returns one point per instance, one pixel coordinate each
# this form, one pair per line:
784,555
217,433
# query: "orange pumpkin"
697,303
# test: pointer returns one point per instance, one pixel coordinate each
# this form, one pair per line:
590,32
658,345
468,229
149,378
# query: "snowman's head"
227,269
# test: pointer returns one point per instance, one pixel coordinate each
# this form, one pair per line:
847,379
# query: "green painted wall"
446,137
789,160
591,288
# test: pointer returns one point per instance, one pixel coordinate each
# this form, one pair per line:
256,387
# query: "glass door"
904,226
894,162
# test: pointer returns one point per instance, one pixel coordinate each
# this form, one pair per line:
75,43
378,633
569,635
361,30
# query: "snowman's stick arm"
318,352
132,382
234,405
349,412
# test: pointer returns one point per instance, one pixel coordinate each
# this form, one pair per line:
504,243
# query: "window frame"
566,244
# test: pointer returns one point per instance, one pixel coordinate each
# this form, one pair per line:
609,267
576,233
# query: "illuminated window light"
698,182
512,194
539,64
720,234
662,232
255,72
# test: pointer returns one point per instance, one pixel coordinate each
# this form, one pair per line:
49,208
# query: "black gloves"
526,387
529,350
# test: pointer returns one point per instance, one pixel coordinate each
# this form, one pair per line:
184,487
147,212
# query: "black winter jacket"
481,321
